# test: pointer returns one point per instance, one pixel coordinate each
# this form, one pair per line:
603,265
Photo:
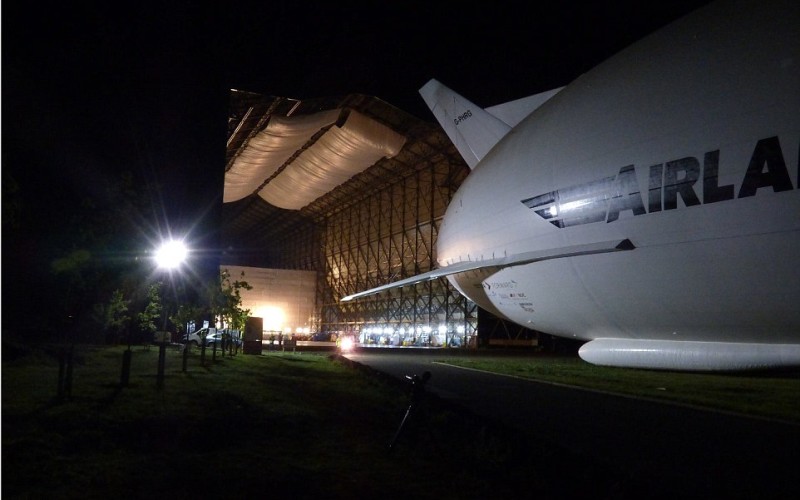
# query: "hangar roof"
293,162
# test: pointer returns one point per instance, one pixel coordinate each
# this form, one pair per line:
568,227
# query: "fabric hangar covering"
295,160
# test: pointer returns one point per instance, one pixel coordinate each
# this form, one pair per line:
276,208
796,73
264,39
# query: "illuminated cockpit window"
574,205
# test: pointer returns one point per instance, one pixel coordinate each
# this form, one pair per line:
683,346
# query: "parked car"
212,336
216,337
195,337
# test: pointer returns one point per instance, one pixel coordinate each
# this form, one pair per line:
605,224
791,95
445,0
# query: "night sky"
104,87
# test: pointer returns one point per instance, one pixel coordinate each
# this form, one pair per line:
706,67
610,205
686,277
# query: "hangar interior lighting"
274,318
443,335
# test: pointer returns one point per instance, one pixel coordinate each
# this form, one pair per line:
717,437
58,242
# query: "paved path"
682,451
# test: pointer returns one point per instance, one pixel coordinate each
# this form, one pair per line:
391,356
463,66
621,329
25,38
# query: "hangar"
352,189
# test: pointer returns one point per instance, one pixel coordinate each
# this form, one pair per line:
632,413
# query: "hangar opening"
352,190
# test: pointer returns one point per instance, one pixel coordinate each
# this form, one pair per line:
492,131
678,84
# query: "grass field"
772,395
305,425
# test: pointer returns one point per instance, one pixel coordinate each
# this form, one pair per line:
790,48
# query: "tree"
113,316
71,273
185,314
152,311
83,253
225,300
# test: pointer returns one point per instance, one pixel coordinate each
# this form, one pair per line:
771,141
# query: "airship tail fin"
473,130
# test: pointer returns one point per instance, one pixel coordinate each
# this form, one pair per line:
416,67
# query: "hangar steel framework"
378,227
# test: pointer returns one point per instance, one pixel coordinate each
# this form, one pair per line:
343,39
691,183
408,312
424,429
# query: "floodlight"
171,254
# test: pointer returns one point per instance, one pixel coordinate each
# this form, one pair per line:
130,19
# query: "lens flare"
171,254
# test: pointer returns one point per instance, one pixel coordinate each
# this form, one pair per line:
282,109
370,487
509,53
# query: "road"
679,449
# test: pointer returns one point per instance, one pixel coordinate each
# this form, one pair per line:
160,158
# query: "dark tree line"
82,270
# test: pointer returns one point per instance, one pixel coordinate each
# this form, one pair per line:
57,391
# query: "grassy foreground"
305,425
773,395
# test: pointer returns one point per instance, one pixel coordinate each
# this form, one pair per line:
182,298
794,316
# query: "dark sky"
489,51
92,89
127,78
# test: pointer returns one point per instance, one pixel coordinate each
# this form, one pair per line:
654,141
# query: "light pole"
169,256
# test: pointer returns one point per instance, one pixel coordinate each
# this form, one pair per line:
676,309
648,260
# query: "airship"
651,207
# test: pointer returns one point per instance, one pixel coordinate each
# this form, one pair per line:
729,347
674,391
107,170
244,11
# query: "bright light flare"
171,254
347,344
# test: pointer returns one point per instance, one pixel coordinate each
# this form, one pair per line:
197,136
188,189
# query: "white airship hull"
652,206
691,154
